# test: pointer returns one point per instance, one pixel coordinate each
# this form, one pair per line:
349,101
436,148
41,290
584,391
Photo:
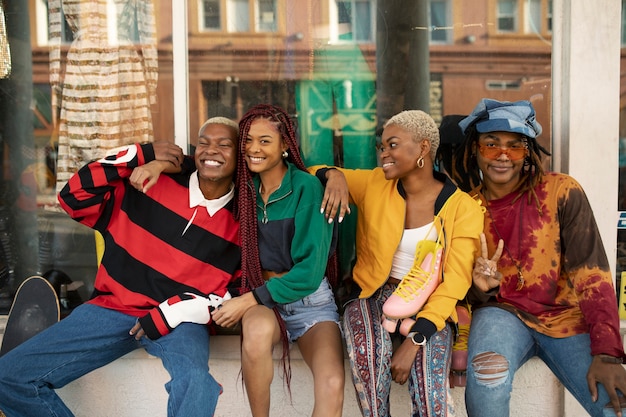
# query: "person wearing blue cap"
543,279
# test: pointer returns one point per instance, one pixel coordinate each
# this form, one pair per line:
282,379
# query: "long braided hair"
252,276
468,176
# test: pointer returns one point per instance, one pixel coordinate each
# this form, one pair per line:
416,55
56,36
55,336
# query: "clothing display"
107,82
5,51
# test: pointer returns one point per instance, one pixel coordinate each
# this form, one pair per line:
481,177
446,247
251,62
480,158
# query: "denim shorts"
303,314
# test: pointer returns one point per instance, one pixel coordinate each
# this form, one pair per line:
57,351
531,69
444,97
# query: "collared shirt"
196,198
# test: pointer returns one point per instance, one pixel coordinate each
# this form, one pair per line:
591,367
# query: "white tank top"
405,253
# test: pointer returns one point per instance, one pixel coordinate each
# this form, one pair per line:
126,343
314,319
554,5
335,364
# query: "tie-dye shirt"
565,286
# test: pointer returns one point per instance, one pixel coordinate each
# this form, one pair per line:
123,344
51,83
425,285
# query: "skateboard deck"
35,308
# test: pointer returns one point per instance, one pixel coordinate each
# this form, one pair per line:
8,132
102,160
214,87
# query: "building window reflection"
239,16
355,20
210,15
524,17
440,21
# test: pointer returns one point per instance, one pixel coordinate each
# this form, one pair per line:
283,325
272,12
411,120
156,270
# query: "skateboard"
35,308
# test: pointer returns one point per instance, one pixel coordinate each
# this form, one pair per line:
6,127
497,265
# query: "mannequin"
109,78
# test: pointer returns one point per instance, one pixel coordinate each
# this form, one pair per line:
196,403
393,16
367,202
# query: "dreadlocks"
251,264
468,176
252,276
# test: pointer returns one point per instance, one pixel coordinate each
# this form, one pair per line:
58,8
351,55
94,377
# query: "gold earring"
420,162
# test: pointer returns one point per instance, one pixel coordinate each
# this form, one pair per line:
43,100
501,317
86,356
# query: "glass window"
507,12
529,17
318,59
238,16
623,23
266,16
355,20
549,17
259,16
440,21
210,15
532,11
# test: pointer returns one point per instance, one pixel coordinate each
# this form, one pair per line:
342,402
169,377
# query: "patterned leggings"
370,350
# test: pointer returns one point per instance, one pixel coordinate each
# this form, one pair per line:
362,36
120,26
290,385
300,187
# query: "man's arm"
92,188
168,158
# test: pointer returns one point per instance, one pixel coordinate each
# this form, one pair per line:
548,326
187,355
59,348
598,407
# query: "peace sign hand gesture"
485,274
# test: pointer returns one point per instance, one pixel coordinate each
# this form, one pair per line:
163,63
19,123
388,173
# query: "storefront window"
89,76
621,202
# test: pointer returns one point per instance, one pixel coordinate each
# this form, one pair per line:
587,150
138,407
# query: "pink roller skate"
459,348
413,291
405,326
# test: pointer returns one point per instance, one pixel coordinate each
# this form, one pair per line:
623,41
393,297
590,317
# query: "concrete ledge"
134,386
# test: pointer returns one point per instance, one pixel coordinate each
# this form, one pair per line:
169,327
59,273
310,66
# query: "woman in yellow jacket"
398,204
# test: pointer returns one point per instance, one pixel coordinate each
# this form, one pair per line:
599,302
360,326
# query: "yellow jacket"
380,225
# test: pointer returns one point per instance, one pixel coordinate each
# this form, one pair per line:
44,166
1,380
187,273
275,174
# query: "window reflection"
319,59
210,15
524,16
355,20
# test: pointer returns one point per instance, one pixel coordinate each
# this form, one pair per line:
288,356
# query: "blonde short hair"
219,120
420,125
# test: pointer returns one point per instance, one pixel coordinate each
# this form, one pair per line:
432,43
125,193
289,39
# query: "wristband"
610,359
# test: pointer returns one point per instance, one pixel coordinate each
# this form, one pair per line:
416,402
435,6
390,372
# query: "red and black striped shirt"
156,245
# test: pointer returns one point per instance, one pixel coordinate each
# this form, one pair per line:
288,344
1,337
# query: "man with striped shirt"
171,246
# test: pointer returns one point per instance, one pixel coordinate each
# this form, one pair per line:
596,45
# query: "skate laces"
463,328
413,283
461,340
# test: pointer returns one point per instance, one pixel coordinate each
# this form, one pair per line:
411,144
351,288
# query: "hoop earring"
285,154
420,162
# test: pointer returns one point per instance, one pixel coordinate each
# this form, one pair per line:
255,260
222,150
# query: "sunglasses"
514,153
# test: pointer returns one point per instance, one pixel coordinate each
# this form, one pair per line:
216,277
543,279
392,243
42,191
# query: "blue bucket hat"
503,116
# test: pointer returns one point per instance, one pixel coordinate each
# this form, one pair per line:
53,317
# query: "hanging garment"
5,52
108,81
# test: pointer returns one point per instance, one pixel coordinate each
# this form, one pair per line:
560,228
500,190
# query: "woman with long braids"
547,287
286,243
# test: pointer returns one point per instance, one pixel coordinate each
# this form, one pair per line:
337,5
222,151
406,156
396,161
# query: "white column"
586,88
180,73
585,130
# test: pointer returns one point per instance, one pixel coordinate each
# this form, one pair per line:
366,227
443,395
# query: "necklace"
518,265
269,191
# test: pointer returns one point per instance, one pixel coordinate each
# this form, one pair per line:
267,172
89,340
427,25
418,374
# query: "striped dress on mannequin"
107,83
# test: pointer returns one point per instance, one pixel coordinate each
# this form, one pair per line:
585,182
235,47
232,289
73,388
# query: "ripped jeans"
496,330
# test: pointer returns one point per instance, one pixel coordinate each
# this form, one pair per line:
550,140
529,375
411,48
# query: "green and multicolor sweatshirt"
564,287
294,237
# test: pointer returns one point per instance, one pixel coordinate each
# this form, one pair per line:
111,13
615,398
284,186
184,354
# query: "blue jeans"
91,337
496,330
305,313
